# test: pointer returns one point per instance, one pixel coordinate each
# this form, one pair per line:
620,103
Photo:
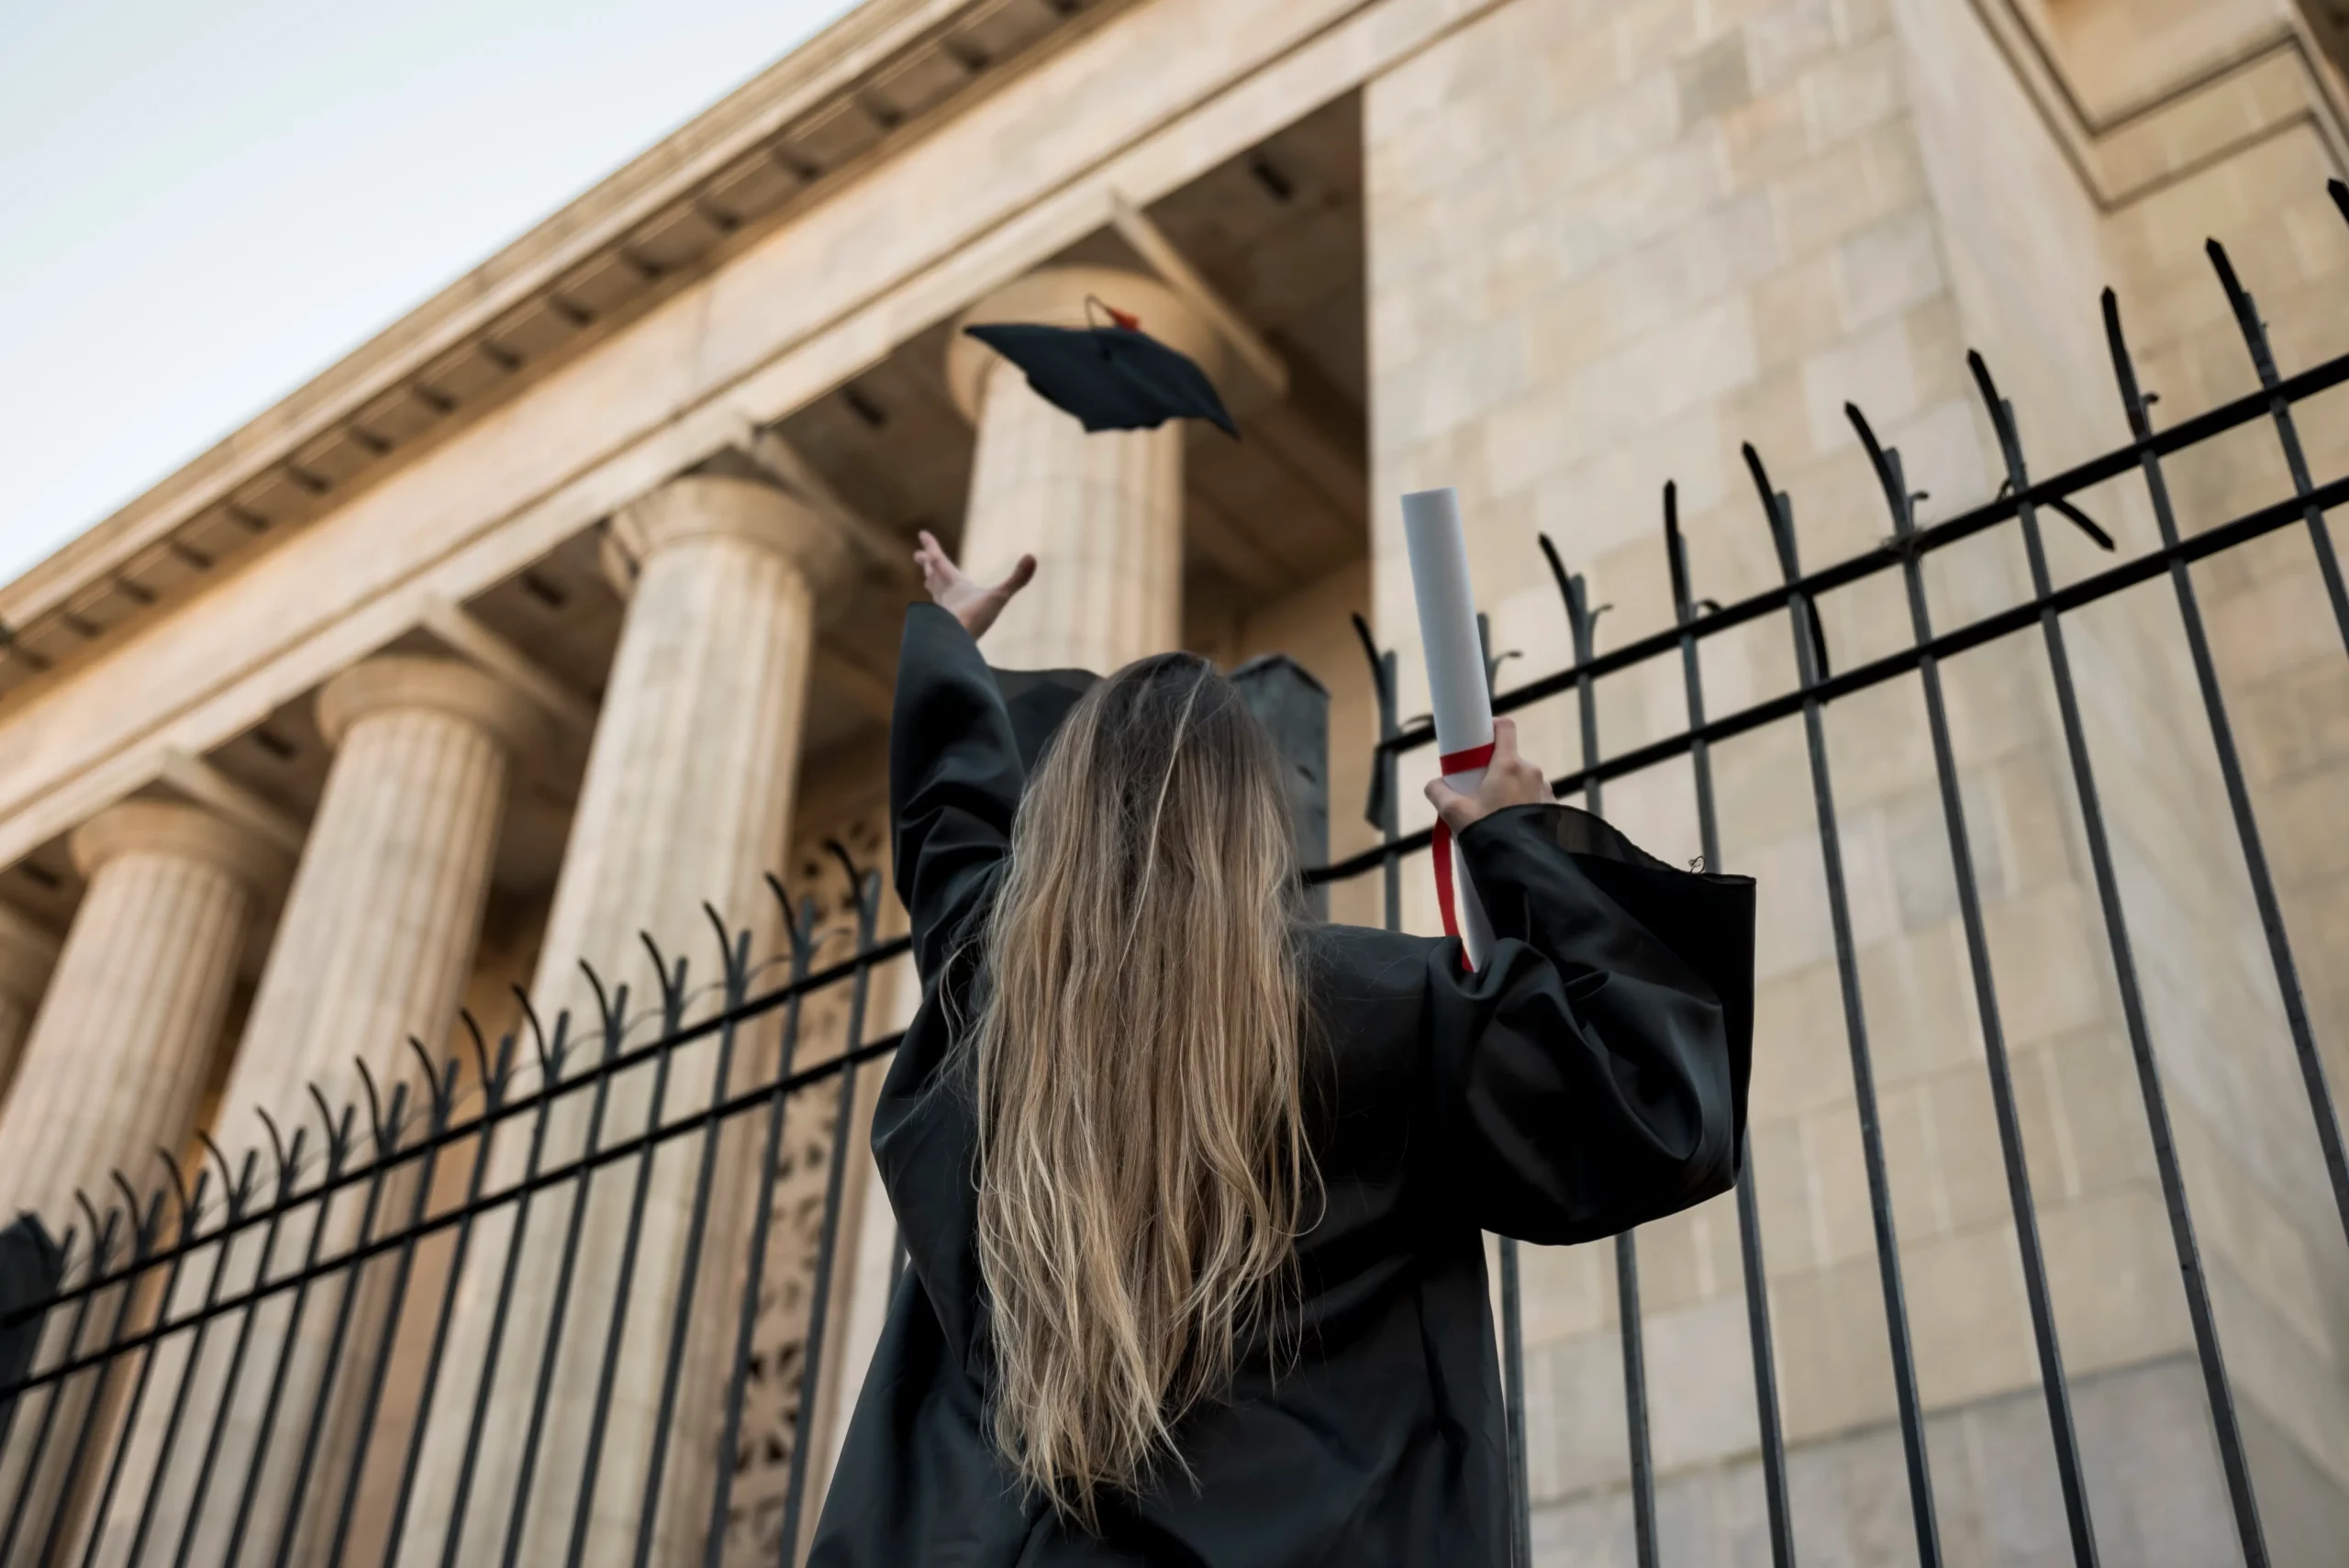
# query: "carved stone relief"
776,1382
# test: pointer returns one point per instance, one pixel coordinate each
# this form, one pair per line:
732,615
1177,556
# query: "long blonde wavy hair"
1140,1041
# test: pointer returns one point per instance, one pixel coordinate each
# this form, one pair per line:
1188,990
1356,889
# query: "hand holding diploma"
1510,779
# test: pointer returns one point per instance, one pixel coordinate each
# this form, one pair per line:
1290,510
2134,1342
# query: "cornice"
2279,78
887,71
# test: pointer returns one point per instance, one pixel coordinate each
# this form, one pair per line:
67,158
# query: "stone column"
374,948
121,1048
118,1053
27,955
1102,512
380,924
687,798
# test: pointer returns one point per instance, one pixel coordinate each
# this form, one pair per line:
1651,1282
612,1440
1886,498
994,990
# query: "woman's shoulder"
1351,963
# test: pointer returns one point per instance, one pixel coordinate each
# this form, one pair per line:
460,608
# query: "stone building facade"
568,603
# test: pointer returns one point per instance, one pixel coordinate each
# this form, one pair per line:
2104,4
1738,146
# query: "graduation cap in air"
1111,377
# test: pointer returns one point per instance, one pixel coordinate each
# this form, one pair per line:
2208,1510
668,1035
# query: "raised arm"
1593,1076
954,779
955,771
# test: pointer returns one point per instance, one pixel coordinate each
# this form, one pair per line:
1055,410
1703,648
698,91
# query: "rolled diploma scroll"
1457,690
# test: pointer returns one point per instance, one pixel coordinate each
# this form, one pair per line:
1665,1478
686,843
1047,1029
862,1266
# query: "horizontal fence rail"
139,1344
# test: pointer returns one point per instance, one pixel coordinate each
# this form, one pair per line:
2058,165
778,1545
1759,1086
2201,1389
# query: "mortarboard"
1111,378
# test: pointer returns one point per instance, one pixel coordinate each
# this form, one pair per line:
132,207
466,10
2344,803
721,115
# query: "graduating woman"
1193,1188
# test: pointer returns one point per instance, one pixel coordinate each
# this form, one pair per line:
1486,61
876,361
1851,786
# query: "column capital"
159,827
703,505
27,955
421,680
1059,296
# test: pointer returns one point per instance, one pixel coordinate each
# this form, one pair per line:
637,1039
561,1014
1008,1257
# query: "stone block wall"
1607,244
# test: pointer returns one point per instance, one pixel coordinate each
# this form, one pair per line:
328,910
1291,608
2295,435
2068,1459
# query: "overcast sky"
203,203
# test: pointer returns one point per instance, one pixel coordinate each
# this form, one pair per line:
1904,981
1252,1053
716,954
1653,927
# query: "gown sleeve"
954,780
1593,1075
963,739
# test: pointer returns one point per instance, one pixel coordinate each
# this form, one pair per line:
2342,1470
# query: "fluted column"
1102,512
380,924
376,940
27,955
687,798
120,1050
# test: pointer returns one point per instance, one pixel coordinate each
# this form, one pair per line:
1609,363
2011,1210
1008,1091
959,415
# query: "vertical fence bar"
237,1193
2214,705
386,1131
441,1086
1521,1481
103,1236
191,1209
801,933
337,1148
2228,1427
1390,809
288,1158
1770,1425
673,1018
735,957
2052,1382
866,889
1811,668
2287,434
613,1012
550,1056
1582,624
1521,1494
142,1240
492,1091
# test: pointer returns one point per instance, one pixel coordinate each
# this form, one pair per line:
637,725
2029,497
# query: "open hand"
952,590
1510,779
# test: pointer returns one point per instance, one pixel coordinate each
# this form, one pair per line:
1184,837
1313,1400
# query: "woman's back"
1138,1057
1592,1076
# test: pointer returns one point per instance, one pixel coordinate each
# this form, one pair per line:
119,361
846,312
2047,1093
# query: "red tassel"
1457,762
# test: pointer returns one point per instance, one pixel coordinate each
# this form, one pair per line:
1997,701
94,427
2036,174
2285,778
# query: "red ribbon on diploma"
1453,762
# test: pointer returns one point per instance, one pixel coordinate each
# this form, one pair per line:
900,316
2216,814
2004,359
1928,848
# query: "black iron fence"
112,1320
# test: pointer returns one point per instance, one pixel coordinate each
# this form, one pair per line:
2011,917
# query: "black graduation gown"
1591,1077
